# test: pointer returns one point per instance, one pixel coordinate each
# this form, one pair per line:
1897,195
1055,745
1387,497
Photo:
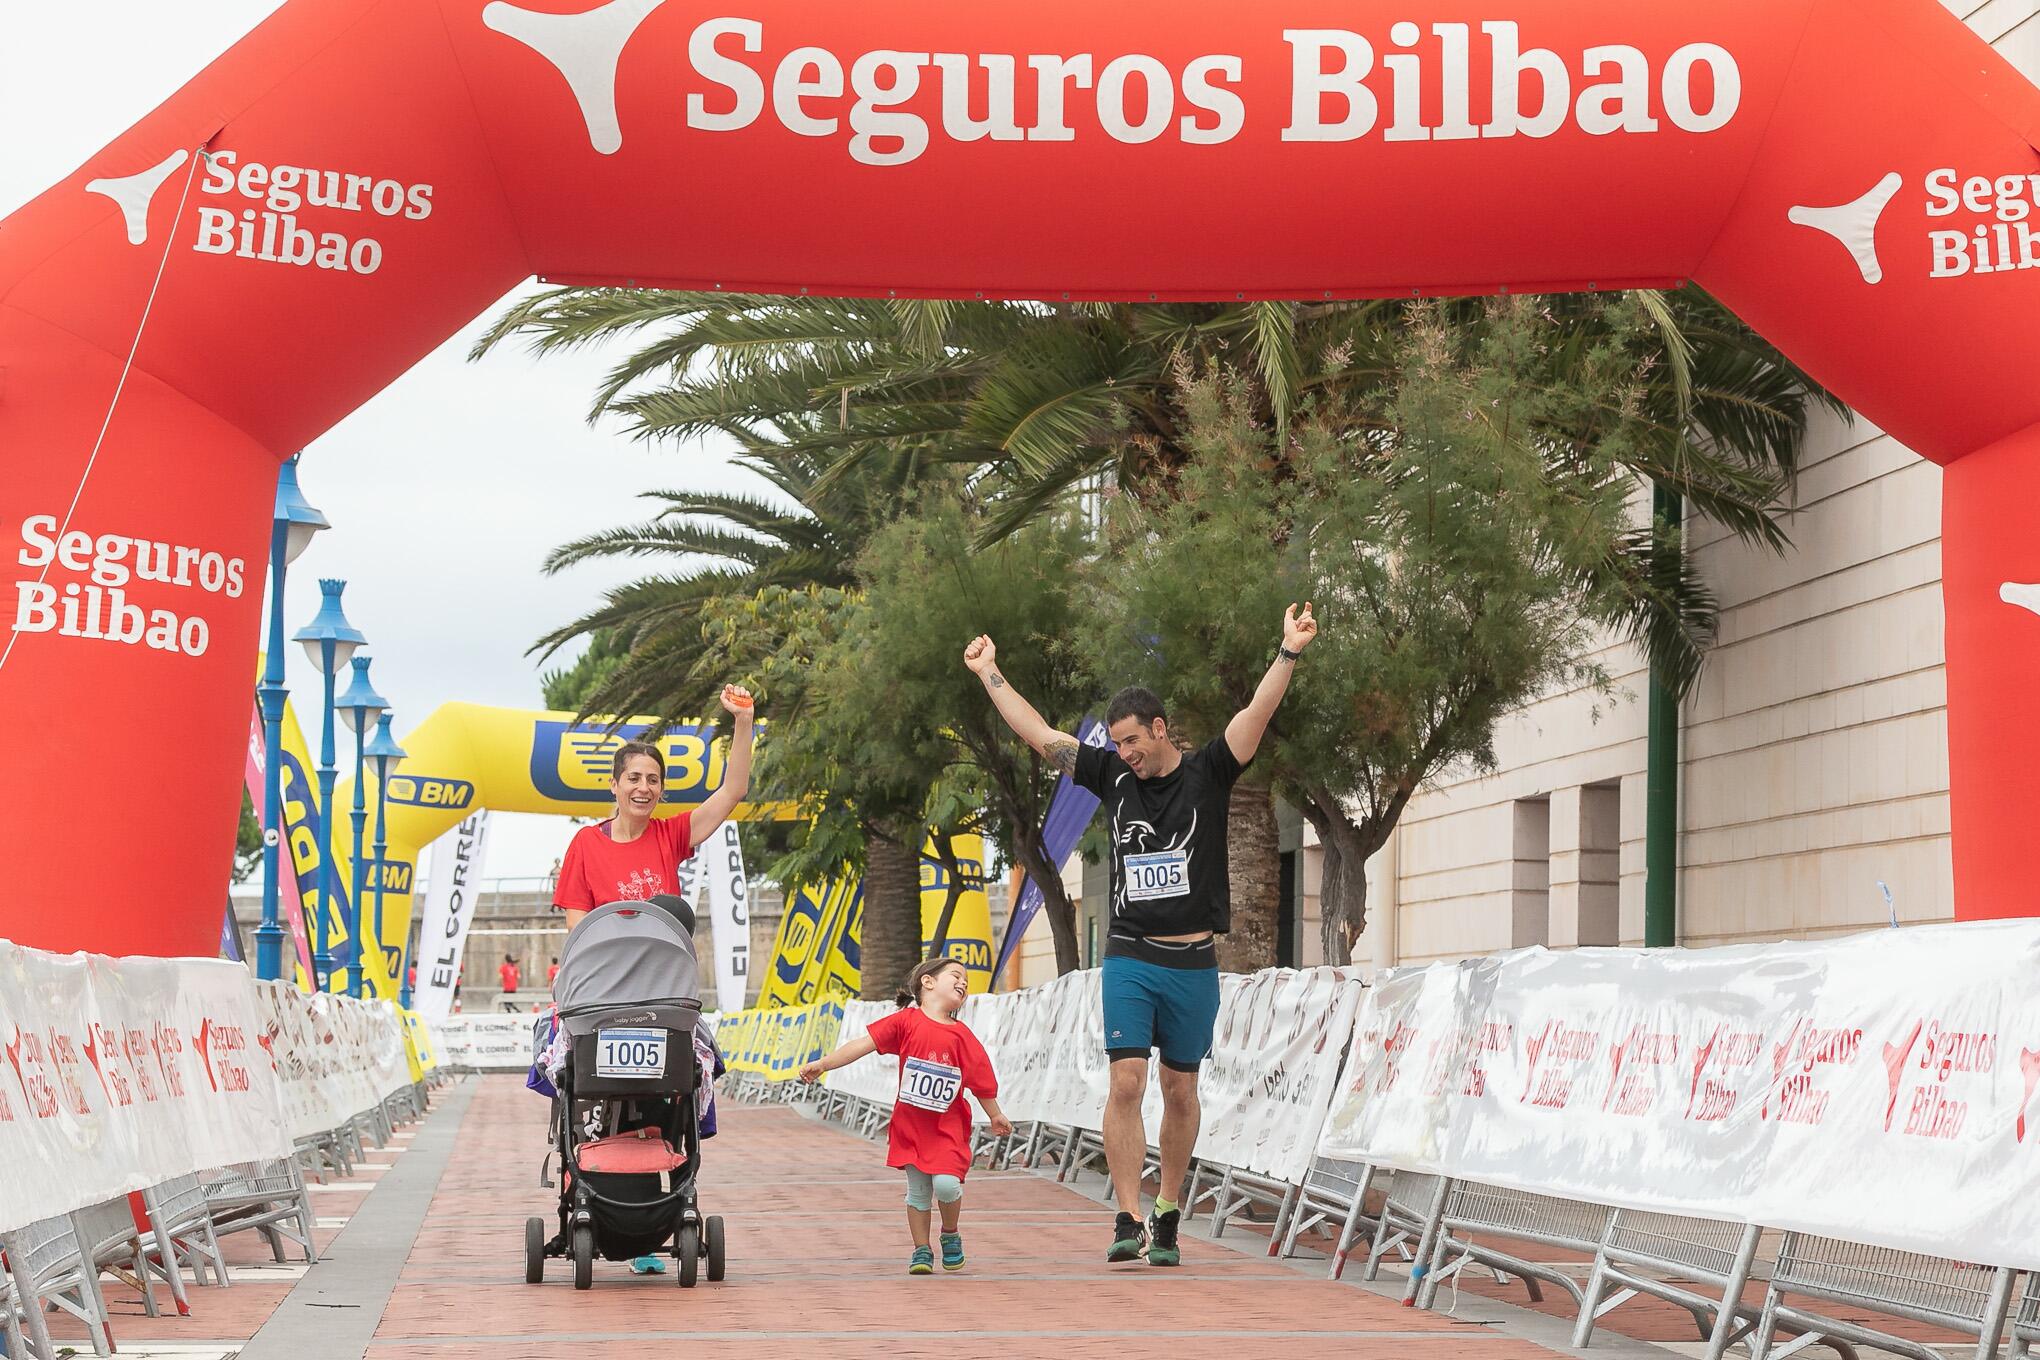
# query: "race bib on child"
929,1085
1165,873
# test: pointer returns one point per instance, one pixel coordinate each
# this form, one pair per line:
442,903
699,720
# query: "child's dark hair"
910,993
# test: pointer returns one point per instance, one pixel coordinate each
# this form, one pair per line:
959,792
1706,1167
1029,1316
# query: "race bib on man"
1166,873
929,1085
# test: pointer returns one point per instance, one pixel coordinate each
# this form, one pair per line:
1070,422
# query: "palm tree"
1030,402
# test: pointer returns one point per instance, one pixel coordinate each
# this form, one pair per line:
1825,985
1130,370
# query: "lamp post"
290,532
360,706
329,640
384,755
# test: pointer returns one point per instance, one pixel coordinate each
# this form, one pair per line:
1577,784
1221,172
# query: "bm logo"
420,791
571,763
974,955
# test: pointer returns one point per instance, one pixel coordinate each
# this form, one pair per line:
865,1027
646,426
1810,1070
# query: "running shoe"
648,1265
1129,1239
1162,1248
923,1262
952,1251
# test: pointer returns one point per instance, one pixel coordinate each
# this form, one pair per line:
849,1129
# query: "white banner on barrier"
1879,1088
122,1073
450,898
1274,1067
335,1057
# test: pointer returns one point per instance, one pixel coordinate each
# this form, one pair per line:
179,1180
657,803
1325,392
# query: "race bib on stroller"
1166,873
929,1085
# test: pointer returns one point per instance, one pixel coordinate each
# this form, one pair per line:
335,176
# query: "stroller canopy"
626,954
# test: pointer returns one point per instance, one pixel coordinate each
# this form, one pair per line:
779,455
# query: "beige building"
1813,753
1813,759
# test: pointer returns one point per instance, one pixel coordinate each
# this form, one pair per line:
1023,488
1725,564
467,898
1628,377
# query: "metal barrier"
183,1227
10,1316
1085,1148
1972,1300
1235,1191
49,1269
269,1197
1472,1207
1409,1211
2026,1326
1331,1188
109,1240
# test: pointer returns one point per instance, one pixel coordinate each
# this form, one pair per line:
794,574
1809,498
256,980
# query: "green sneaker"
1129,1239
923,1262
1162,1248
952,1251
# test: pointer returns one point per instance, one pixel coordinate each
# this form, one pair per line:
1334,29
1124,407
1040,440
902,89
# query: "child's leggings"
923,1189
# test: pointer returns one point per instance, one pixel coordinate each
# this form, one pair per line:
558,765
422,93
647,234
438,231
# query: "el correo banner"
450,902
722,862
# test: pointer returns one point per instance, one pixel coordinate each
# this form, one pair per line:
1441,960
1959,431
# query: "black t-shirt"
1168,840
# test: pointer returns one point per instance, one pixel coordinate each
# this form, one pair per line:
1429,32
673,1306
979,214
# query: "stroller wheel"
715,1248
534,1251
690,1254
584,1257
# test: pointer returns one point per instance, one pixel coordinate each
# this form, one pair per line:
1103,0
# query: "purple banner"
1069,812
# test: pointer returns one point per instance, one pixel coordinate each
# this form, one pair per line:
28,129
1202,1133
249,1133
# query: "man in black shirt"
1169,896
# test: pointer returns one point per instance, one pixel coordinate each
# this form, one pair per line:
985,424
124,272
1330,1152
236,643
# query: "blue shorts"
1148,1006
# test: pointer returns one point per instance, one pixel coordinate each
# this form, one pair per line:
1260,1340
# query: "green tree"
1039,400
247,841
927,594
567,688
871,787
1460,560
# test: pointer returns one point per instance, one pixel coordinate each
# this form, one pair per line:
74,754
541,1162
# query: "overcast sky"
446,491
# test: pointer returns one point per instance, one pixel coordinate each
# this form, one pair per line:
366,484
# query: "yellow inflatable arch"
466,758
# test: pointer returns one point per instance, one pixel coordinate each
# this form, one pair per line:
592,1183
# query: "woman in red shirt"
940,1059
634,856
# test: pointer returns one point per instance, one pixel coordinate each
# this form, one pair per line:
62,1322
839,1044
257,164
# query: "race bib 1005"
929,1085
1166,873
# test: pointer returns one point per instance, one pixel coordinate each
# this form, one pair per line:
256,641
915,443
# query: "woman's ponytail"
902,998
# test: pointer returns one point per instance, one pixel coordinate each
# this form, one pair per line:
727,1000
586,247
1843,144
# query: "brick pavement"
817,1252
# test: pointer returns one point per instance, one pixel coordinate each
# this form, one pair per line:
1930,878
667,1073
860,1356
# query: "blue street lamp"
290,531
329,641
360,706
383,756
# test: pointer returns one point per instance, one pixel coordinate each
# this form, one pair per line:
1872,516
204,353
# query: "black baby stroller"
625,1113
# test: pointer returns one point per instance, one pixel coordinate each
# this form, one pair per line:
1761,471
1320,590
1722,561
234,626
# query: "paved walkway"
429,1266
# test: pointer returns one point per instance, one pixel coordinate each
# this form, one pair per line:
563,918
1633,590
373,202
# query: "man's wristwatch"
1285,654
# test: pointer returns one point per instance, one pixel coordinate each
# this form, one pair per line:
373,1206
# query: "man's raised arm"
1060,747
1243,734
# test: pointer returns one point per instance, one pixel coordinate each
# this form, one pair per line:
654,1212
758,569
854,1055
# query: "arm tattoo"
995,680
1064,755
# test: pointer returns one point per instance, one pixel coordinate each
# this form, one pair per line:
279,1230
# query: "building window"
1530,874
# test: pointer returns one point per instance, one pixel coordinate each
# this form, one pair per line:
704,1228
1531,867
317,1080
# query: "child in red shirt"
940,1059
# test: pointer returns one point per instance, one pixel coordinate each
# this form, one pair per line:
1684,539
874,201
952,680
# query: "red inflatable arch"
359,178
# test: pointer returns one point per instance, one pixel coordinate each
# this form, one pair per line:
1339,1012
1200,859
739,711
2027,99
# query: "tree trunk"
1055,901
1342,891
891,939
1254,859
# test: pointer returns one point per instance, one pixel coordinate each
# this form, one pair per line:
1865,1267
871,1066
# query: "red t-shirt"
598,870
938,1063
508,972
